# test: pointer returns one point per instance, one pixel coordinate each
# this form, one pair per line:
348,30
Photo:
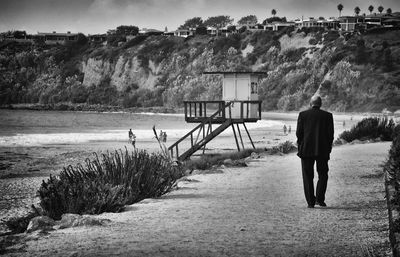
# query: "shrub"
285,147
135,41
222,44
392,169
370,128
313,41
331,35
209,160
19,224
108,184
293,54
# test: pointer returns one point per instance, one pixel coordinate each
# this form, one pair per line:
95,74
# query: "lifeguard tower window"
254,87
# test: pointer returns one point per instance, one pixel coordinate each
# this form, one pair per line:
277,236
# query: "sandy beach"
24,168
257,210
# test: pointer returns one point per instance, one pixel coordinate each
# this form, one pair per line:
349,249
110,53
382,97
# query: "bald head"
316,101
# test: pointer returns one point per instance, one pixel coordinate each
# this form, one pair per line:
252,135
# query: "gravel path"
255,211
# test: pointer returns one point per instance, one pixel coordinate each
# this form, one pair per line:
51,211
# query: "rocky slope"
352,72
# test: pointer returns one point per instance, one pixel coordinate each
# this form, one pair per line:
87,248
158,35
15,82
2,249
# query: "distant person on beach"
133,140
290,129
314,139
130,134
284,129
164,137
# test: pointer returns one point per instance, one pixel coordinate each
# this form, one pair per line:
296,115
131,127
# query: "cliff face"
351,72
126,71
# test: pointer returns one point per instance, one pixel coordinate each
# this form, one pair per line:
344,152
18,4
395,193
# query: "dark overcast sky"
97,16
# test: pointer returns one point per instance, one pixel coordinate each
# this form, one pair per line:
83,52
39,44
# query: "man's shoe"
322,204
310,206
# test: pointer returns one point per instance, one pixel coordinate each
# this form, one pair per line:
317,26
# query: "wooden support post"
241,110
204,132
198,134
240,135
234,133
208,132
186,111
248,134
200,109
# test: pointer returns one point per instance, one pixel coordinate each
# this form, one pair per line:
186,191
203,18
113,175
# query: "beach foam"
38,139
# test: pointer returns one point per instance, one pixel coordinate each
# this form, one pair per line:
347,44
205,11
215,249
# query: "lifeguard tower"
239,104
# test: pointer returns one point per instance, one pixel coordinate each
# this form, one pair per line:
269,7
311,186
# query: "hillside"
352,72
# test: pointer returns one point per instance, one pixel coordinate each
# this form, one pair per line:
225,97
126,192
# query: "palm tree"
273,12
380,9
340,8
357,10
370,9
389,11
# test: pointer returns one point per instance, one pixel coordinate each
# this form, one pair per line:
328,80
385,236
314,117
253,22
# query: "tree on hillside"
389,11
340,8
249,19
201,30
127,30
370,9
192,23
19,33
380,9
357,10
82,39
273,12
218,22
272,19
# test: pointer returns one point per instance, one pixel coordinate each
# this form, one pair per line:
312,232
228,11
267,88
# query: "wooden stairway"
204,135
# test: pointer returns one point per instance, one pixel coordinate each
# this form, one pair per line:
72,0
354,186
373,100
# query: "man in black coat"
314,139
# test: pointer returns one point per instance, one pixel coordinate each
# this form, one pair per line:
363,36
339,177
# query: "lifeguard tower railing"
197,111
214,112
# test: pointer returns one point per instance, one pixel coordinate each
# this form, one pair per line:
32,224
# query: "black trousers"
307,166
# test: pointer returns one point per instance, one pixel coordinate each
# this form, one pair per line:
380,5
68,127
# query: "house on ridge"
57,38
278,25
97,38
184,32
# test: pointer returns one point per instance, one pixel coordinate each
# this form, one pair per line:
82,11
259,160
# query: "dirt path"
255,211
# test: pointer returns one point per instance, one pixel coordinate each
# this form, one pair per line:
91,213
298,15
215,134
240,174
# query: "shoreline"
157,109
88,108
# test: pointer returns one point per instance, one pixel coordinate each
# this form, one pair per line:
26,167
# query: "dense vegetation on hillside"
351,71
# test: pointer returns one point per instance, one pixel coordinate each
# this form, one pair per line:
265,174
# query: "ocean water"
38,128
